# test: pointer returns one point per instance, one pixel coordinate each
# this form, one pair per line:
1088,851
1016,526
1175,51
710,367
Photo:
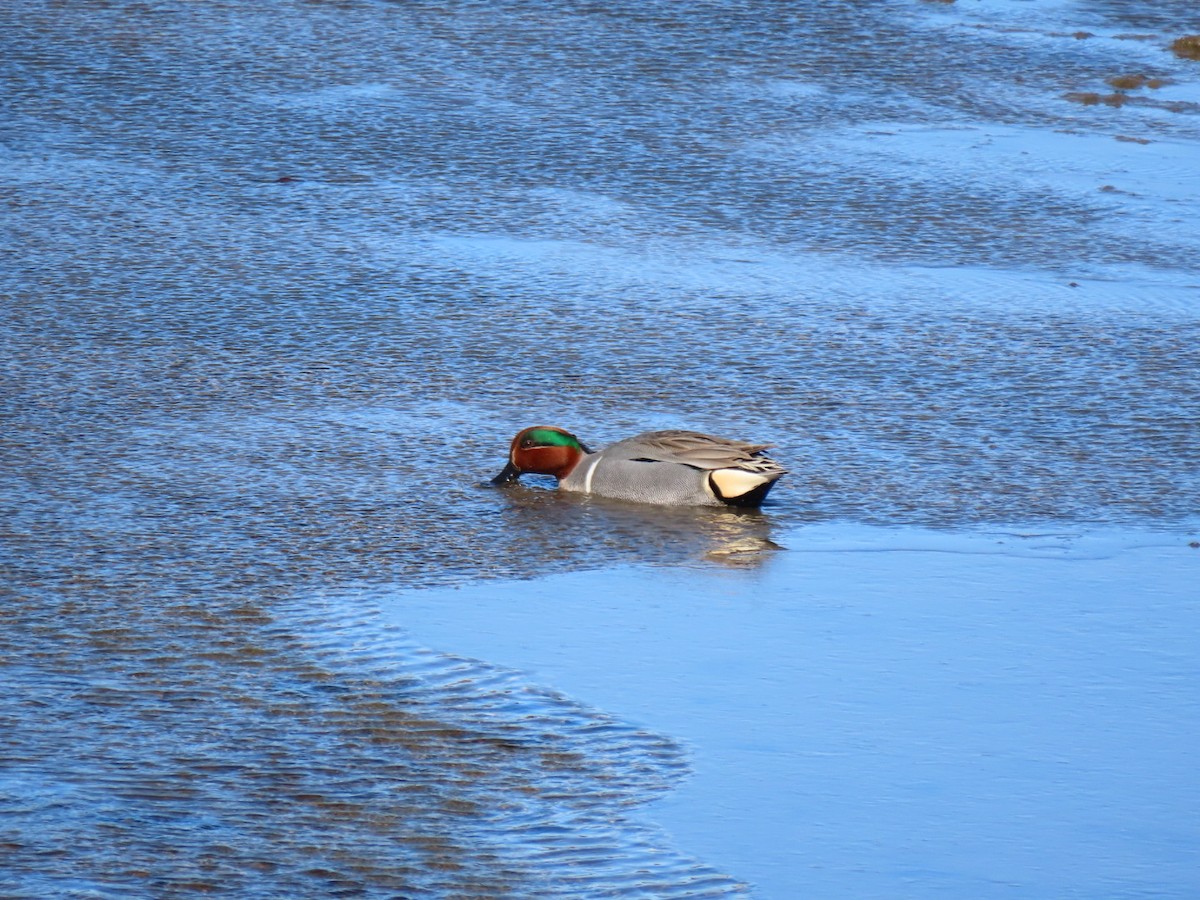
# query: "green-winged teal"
669,468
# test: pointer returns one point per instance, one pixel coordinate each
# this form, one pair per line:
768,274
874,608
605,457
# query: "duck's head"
542,450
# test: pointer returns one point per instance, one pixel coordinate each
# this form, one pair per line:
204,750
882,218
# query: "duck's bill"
509,473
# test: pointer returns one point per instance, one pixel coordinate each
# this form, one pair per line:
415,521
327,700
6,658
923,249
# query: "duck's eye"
528,442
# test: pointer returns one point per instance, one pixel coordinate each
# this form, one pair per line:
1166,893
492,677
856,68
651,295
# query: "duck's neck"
565,461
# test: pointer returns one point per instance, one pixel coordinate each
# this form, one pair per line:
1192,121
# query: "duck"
666,468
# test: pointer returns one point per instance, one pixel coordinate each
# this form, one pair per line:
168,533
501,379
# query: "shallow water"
890,712
281,280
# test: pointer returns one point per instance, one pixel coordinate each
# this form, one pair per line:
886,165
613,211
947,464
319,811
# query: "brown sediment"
1119,99
1133,140
1134,82
1091,98
1187,47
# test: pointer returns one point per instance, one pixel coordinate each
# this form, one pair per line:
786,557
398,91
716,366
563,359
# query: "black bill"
508,474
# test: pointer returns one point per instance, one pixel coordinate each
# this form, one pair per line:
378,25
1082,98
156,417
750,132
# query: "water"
882,712
282,279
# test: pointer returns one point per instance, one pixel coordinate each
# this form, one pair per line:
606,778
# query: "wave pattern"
319,754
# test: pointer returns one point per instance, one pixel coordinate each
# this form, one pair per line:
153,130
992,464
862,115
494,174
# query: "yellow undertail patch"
731,483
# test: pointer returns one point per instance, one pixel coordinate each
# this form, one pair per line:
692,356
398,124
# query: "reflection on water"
733,537
281,279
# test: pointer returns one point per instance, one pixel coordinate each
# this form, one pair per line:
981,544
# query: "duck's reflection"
560,523
740,540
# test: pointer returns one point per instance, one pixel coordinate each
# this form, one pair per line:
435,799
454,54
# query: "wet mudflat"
280,280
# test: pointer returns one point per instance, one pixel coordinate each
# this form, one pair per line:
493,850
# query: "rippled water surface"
281,279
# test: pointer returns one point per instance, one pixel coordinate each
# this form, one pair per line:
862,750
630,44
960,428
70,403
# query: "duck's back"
689,448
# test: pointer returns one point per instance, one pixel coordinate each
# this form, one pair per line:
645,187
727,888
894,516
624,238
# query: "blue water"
889,712
280,280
